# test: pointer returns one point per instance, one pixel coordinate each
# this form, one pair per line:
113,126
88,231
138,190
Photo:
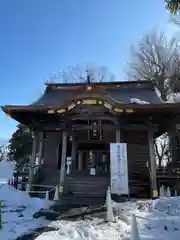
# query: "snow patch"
138,101
170,206
17,207
6,170
154,223
158,93
157,220
174,98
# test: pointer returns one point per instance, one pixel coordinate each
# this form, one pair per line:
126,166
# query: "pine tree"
20,145
173,6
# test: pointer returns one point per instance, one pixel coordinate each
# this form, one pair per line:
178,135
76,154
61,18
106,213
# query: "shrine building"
75,123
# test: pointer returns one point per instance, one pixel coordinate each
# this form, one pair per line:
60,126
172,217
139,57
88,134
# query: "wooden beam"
63,160
41,143
152,164
96,117
107,127
73,152
80,160
136,127
124,126
32,161
118,136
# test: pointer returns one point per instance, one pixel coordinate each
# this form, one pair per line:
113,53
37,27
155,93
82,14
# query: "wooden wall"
137,147
51,150
138,151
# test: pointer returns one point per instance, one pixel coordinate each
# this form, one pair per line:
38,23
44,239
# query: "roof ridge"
126,82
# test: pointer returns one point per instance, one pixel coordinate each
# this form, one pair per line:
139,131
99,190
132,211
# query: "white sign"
92,171
119,168
68,161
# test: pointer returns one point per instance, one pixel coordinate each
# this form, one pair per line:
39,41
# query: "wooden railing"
168,172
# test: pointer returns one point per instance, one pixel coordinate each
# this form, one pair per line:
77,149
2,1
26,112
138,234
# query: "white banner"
119,168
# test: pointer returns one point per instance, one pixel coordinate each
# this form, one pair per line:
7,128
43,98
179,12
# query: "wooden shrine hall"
74,124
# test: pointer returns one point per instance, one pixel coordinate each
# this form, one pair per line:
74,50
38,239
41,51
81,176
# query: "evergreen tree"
20,145
173,6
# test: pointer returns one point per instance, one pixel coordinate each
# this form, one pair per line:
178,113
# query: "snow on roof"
174,98
138,101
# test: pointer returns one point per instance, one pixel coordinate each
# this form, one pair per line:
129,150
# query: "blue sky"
40,37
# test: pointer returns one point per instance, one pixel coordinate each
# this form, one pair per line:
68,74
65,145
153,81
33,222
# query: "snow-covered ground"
17,207
157,220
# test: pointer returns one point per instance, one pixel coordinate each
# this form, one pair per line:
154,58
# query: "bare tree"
78,74
3,149
157,59
161,147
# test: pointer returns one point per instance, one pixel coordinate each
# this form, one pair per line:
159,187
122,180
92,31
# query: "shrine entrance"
92,126
93,156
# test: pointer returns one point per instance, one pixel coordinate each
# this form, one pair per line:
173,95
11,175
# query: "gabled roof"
120,92
57,100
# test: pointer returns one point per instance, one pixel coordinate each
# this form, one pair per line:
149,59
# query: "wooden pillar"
80,160
73,153
63,160
41,142
32,161
93,158
152,164
118,136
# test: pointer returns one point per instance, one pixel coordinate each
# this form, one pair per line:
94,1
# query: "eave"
167,107
155,113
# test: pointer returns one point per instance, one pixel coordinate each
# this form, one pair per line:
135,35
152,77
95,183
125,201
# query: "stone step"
80,184
88,183
84,199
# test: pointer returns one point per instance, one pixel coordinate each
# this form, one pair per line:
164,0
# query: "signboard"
95,133
119,168
68,161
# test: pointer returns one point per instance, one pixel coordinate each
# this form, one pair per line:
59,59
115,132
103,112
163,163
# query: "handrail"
39,185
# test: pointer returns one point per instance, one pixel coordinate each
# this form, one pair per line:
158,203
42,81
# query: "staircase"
82,186
87,189
93,186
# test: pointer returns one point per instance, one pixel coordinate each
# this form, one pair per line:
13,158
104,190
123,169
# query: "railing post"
0,214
